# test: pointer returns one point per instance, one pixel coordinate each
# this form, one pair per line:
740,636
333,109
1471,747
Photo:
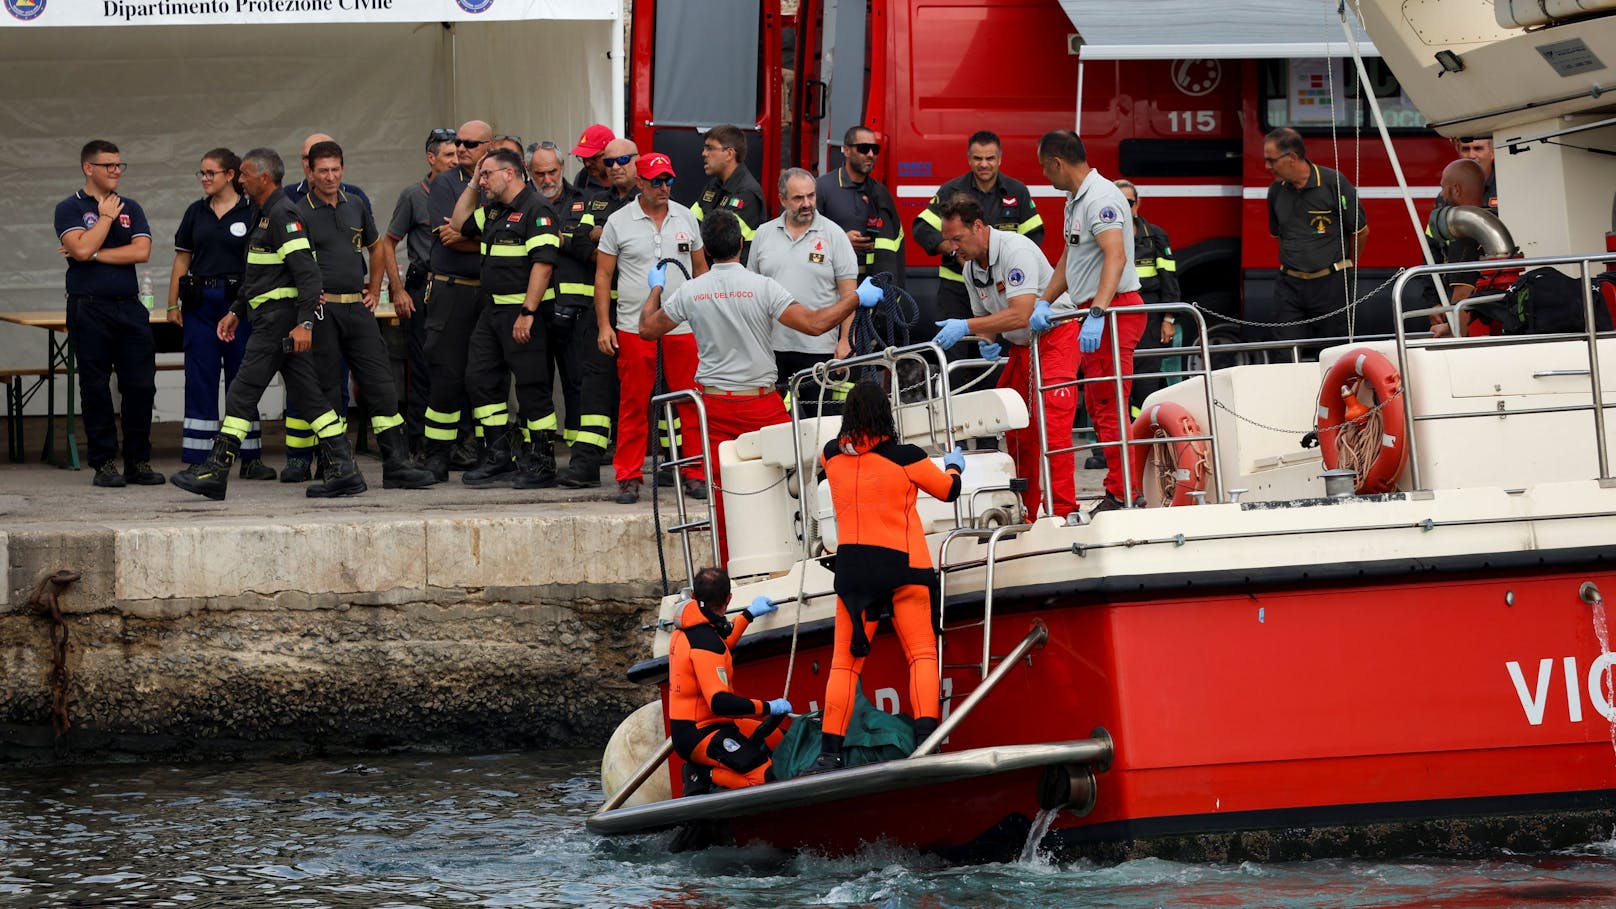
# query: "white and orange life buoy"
1172,424
1340,407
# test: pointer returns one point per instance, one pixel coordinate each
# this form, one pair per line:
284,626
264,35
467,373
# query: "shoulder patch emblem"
737,203
577,206
1016,277
515,217
1108,214
90,220
263,224
1009,201
293,227
123,220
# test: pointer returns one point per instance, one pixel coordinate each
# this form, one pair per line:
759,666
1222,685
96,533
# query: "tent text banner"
45,13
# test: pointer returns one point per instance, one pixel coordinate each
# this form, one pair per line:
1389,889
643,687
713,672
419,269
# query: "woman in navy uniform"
210,254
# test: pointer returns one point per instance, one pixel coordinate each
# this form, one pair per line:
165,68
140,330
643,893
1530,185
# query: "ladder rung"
692,459
692,525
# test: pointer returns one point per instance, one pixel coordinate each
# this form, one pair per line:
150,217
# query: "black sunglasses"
469,143
619,161
535,146
441,134
867,148
661,181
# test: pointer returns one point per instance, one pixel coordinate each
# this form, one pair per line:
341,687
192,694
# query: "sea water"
508,830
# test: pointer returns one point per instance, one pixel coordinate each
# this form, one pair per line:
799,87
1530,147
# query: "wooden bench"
19,391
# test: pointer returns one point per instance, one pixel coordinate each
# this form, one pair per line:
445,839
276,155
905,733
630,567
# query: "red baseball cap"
654,165
593,141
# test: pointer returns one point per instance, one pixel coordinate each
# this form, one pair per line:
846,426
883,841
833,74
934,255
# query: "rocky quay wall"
232,639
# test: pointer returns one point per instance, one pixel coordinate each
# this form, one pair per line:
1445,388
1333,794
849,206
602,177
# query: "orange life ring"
1339,407
1170,421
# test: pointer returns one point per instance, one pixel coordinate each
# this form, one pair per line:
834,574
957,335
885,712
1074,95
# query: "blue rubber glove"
761,607
989,350
949,332
1042,314
779,706
869,294
658,276
955,459
1088,340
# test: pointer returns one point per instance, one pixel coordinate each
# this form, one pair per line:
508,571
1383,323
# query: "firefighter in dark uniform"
586,373
862,206
520,242
1008,206
1158,283
341,229
714,730
1321,227
280,294
723,157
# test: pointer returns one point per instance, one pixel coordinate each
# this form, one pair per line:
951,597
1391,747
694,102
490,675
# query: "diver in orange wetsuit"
713,727
883,566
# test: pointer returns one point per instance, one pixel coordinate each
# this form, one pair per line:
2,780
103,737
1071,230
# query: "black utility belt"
191,287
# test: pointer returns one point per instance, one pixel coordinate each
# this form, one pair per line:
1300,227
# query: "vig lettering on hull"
1598,688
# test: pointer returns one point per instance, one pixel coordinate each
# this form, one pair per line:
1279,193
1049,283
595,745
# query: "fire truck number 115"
1192,121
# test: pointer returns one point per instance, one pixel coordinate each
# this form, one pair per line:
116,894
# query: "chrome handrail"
1590,334
668,400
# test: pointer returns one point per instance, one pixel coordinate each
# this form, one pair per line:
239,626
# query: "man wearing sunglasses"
106,236
621,186
451,297
730,184
636,238
413,224
591,150
1004,201
862,206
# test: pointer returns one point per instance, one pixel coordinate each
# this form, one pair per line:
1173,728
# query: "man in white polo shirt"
637,237
733,313
813,259
1006,275
1096,268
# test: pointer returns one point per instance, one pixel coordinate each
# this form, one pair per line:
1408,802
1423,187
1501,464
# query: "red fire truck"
926,74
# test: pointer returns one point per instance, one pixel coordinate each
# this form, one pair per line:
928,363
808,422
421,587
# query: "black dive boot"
830,755
583,471
342,477
497,460
536,464
397,471
436,459
698,780
924,727
211,477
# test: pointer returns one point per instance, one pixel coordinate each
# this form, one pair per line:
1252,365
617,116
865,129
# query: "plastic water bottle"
147,298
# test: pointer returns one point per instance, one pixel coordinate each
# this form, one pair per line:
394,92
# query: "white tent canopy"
1197,29
169,79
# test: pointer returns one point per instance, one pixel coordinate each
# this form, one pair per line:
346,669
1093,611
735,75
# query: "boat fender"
635,740
1168,421
1340,407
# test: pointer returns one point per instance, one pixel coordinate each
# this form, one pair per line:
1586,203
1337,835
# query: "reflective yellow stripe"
481,217
449,418
279,293
543,424
538,240
892,244
236,426
928,216
1167,265
595,419
569,436
588,220
379,425
507,252
509,299
481,414
549,294
1145,271
1031,224
577,290
436,434
696,210
747,233
292,246
325,421
947,275
590,438
255,257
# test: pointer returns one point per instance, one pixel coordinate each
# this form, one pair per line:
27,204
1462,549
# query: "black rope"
896,313
661,387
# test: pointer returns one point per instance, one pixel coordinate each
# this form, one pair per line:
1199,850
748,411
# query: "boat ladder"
686,523
990,537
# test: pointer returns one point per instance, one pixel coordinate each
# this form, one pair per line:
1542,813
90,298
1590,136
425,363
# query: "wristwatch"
527,312
308,326
1169,318
1097,312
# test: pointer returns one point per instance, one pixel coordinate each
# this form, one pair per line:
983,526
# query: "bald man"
618,159
451,296
296,193
1464,182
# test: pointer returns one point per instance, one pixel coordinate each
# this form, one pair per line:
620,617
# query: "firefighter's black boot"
342,477
536,465
583,471
397,471
497,460
211,477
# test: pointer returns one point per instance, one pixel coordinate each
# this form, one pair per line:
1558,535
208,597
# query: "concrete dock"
271,623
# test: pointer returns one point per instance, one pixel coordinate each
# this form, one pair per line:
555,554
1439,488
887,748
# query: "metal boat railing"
1590,335
685,526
